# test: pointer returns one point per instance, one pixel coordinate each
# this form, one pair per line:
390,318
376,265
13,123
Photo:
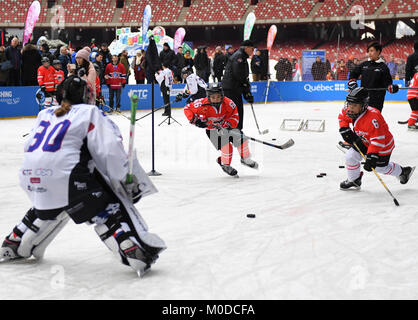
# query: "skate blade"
351,189
265,131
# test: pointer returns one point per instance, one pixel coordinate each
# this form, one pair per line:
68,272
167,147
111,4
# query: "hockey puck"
323,174
274,139
341,167
319,176
251,215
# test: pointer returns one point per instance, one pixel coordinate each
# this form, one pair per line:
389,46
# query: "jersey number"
375,123
54,139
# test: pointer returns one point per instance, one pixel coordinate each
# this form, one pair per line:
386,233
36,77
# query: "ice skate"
351,185
227,168
249,163
136,257
406,174
8,250
412,127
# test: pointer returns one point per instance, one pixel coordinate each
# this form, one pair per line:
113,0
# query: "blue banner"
308,58
21,102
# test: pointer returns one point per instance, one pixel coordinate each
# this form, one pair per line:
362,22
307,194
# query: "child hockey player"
412,97
83,177
372,136
219,116
195,86
59,74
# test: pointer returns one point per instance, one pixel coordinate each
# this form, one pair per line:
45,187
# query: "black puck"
341,167
274,139
251,215
319,176
323,174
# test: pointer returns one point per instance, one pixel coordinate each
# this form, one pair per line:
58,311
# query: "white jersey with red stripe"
413,93
165,75
372,128
55,145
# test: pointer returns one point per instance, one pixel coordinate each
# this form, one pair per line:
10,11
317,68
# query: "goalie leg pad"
40,233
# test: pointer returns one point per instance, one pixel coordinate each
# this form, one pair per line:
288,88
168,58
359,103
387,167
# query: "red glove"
226,124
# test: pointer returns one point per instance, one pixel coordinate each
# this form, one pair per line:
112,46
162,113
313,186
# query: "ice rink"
309,240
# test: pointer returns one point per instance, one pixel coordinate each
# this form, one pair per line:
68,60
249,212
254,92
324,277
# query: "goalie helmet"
215,94
359,96
73,89
186,71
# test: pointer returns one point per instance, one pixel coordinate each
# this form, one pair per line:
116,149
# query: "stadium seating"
370,6
162,10
401,6
82,11
333,8
15,11
217,10
285,9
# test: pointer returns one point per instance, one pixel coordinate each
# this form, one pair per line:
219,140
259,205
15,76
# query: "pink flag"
270,36
31,19
178,38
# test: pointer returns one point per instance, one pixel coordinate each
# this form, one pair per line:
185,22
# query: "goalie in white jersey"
75,166
195,86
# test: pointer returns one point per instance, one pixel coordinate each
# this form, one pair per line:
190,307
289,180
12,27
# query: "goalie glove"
132,189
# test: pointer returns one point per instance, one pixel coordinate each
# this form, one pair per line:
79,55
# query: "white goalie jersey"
57,144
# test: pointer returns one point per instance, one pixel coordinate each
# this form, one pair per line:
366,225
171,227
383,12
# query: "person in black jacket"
107,56
235,81
168,57
180,63
219,62
15,57
411,63
319,69
202,64
31,61
374,74
256,66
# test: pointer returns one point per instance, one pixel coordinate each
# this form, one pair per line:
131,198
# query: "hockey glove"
198,122
179,97
249,97
132,189
348,135
371,161
43,88
393,88
352,84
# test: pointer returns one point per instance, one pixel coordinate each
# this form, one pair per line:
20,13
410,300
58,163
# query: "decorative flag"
145,23
248,26
31,19
178,38
271,36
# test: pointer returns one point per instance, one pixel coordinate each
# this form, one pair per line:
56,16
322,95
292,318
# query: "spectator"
73,53
65,59
342,72
125,62
15,57
219,63
45,52
115,76
93,54
4,75
393,68
401,69
229,52
107,56
188,60
100,70
350,64
167,56
256,65
31,61
202,63
180,63
82,61
319,69
138,67
283,70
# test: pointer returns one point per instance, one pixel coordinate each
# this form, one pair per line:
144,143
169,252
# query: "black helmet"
45,59
215,88
360,96
73,89
186,71
55,62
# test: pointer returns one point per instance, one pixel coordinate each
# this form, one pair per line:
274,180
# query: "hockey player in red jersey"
412,97
46,76
59,74
219,116
372,136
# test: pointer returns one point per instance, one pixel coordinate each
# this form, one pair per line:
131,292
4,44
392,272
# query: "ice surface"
309,240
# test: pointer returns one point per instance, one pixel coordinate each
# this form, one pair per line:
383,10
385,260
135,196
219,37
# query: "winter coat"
31,61
15,57
125,62
319,70
139,68
4,75
219,63
168,57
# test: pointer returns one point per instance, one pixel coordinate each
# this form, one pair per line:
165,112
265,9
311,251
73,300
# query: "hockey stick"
378,177
403,122
148,114
134,104
256,122
384,89
283,146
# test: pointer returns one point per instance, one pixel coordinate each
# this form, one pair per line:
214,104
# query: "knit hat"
87,48
83,54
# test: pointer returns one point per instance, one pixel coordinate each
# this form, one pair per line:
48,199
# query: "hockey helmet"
186,71
215,94
55,62
73,89
45,59
359,96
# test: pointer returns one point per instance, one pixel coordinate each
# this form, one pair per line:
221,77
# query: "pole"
153,173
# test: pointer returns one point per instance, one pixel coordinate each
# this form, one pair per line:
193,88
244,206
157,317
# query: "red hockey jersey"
206,112
413,93
372,128
117,75
46,77
59,76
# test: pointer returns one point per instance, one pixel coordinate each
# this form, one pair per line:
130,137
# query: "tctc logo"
141,93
